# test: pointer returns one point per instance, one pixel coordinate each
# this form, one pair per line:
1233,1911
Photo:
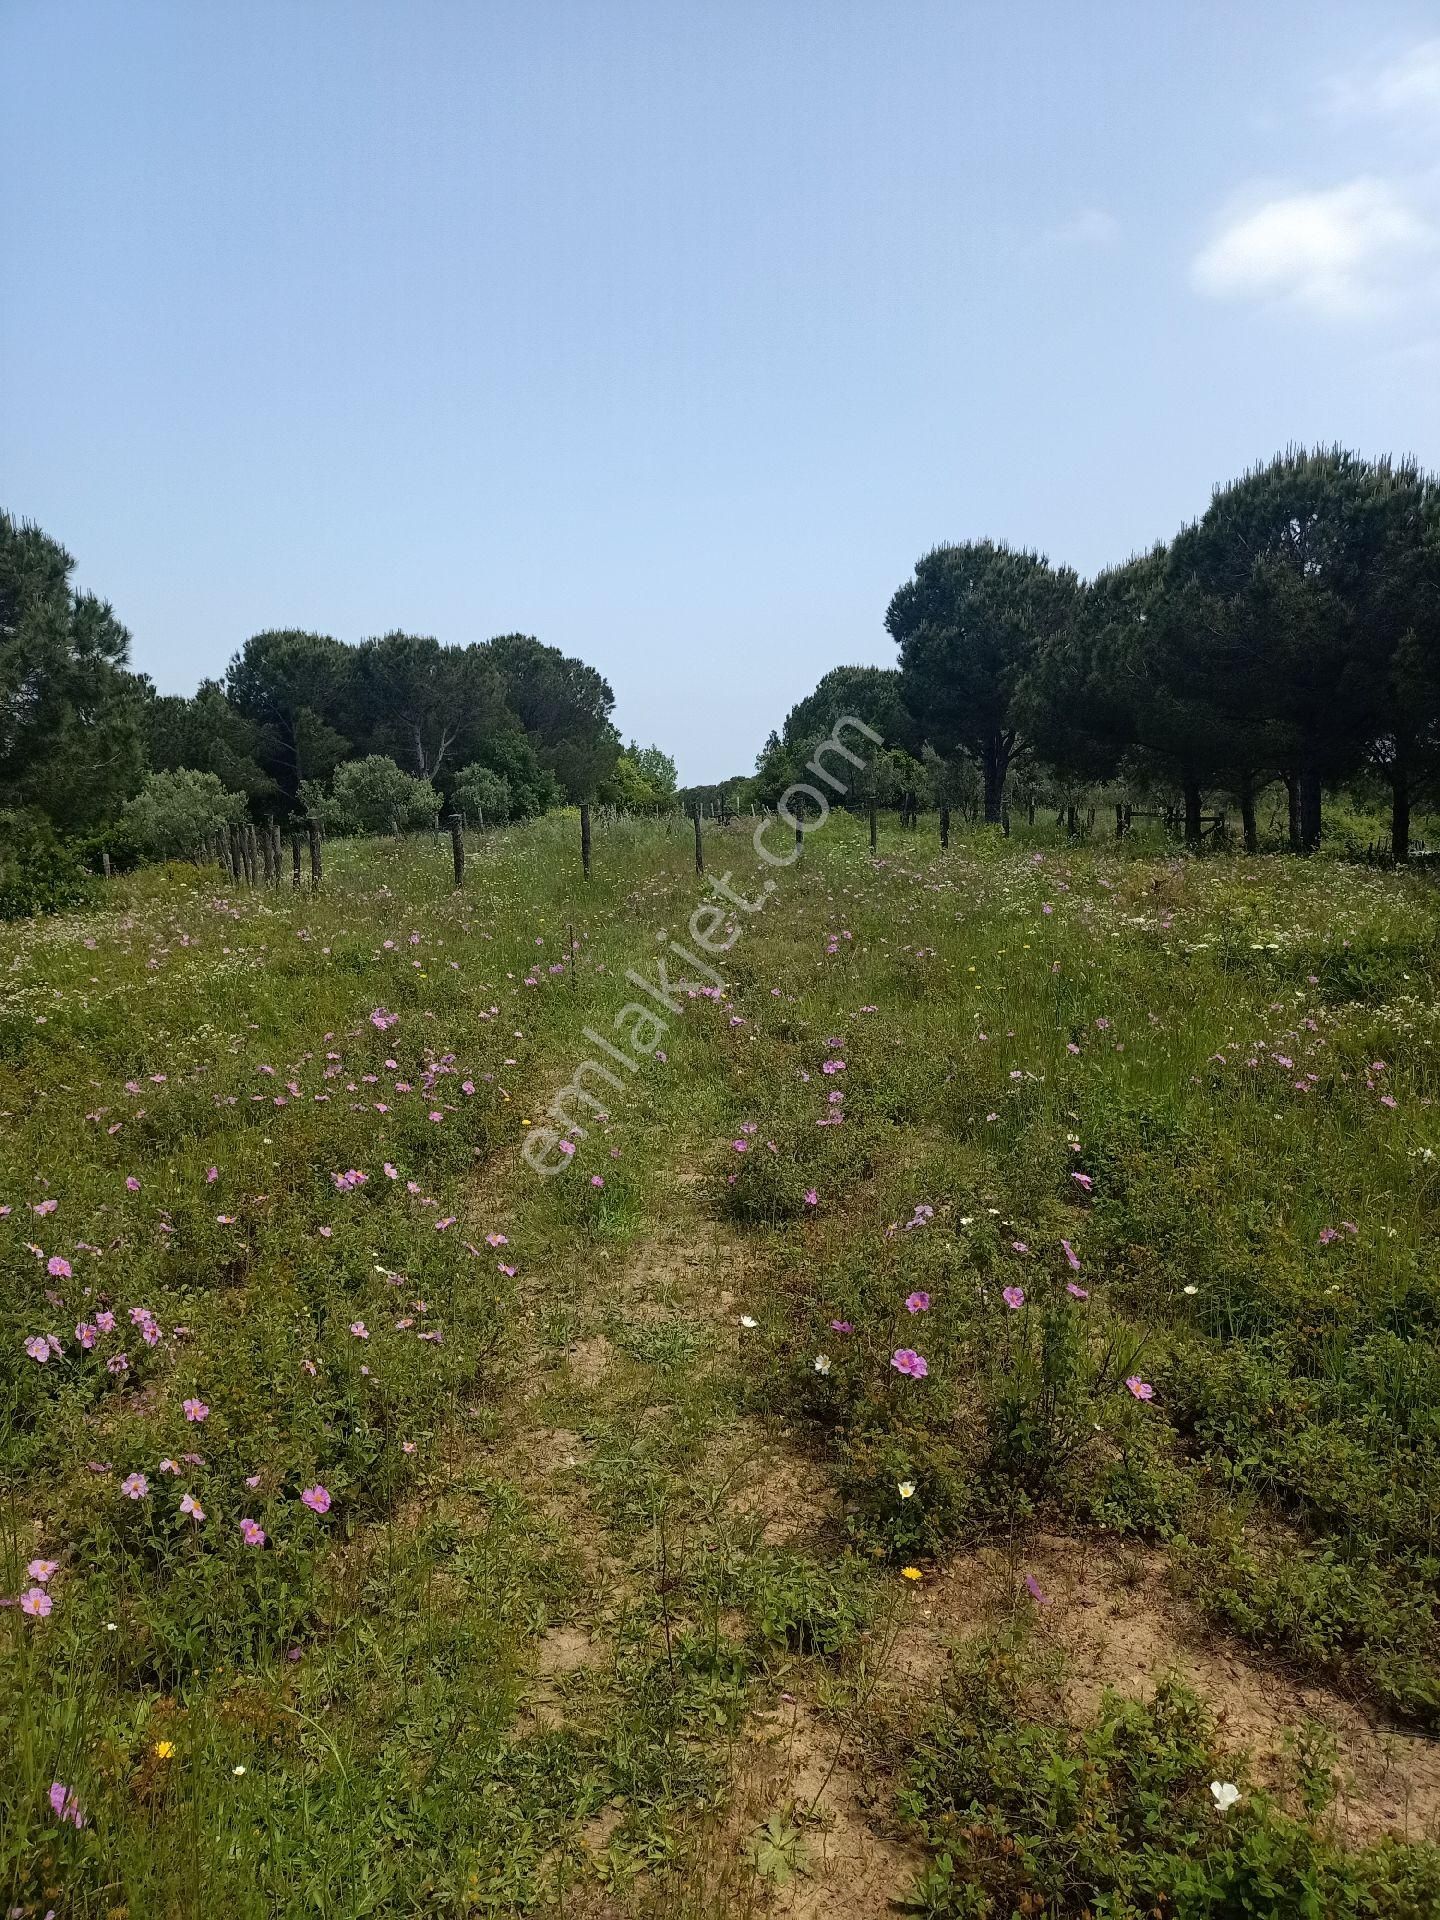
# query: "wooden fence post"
1005,821
457,847
316,873
699,847
294,858
237,858
274,854
585,840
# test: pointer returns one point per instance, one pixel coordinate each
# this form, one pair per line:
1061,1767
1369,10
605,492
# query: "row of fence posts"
253,857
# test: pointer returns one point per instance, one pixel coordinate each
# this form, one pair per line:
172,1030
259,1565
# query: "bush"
372,795
482,795
38,872
174,813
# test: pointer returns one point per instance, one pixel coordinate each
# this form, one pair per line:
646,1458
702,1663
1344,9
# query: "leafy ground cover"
389,1530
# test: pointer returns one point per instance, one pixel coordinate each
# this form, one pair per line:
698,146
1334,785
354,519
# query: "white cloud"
1404,89
1342,252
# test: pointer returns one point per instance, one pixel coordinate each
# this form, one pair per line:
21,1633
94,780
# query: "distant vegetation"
365,737
1284,645
1290,637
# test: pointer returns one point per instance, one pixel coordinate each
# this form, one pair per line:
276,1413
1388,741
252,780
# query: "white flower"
905,1489
1192,1289
747,1322
822,1363
1224,1793
237,1771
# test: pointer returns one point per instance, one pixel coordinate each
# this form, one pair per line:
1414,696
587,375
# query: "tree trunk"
1310,811
995,765
1247,815
1292,795
1192,811
1400,812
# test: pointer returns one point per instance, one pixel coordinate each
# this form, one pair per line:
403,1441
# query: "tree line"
1290,634
369,736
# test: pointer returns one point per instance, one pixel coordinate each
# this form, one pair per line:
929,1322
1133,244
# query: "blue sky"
674,334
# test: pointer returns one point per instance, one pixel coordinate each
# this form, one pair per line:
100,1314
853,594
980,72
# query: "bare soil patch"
1120,1626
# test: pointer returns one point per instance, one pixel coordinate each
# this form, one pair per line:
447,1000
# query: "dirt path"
624,1426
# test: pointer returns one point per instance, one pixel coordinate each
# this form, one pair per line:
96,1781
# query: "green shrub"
38,872
174,814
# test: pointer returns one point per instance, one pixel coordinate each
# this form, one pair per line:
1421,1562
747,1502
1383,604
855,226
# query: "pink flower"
64,1804
85,1334
812,1198
1035,1591
1083,1180
1077,1293
189,1504
1014,1298
36,1602
833,1066
1070,1254
42,1570
132,1185
842,1326
597,1180
1141,1389
251,1532
567,1147
135,1486
496,1240
906,1360
105,1321
212,1174
918,1303
58,1268
359,1329
195,1410
168,1466
317,1498
42,1207
38,1348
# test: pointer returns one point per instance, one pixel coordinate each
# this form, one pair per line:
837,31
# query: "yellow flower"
164,1749
911,1573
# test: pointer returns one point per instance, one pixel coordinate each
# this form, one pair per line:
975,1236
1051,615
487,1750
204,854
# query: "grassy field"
964,1432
